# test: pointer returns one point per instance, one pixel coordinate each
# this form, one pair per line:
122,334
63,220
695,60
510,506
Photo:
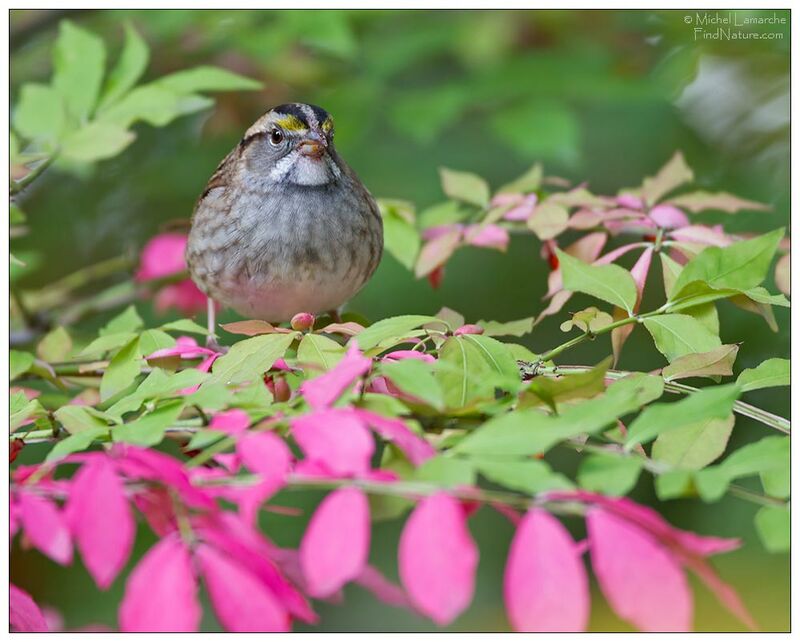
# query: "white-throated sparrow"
284,225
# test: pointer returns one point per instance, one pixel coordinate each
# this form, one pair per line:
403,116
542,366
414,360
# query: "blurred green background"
600,96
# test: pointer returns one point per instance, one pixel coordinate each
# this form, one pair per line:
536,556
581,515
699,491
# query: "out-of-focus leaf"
437,251
423,114
701,200
96,141
55,345
610,474
782,274
540,130
19,363
674,174
206,78
525,475
79,59
516,328
767,454
609,283
768,374
77,419
122,370
530,181
249,359
442,214
714,363
39,113
694,446
773,525
317,350
153,104
676,335
464,186
401,238
446,472
129,68
710,403
126,321
548,220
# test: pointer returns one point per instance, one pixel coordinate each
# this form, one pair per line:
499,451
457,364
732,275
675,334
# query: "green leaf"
588,320
158,385
507,328
154,105
55,345
539,129
388,332
554,390
122,370
75,443
320,351
39,114
446,472
710,403
499,359
21,413
95,141
610,474
106,343
670,269
152,340
19,363
148,430
77,419
415,378
529,476
79,59
129,68
672,484
674,174
773,525
676,335
126,321
694,446
548,220
184,325
610,283
700,201
465,187
714,363
463,373
530,431
739,266
768,374
400,236
248,360
530,181
767,454
206,78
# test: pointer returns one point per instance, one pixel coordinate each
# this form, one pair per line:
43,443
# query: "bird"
284,225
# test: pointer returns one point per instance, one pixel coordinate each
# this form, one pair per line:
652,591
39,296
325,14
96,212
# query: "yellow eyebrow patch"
291,123
327,126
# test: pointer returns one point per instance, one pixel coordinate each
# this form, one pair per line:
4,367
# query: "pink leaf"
266,454
100,520
668,216
230,421
639,273
242,602
522,210
702,235
436,252
395,430
337,438
613,255
641,579
399,355
323,390
335,547
161,592
45,527
492,236
184,296
545,587
438,558
24,616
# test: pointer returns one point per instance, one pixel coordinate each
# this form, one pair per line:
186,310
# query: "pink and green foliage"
146,426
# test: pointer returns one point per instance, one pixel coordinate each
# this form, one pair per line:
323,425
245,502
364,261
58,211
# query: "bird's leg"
337,318
211,317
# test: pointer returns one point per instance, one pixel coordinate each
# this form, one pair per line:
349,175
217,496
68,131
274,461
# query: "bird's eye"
276,136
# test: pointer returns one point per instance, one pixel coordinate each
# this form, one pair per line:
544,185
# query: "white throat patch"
302,170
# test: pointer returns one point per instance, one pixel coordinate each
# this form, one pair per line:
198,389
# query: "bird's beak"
312,148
